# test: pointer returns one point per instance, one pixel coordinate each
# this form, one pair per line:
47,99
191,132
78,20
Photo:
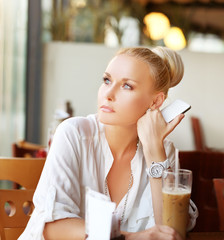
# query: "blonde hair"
165,65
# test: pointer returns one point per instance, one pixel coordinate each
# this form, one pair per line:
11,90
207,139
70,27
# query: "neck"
121,140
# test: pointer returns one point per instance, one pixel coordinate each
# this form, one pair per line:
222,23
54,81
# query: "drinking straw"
176,167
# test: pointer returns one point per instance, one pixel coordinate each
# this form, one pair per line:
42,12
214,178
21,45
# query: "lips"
106,109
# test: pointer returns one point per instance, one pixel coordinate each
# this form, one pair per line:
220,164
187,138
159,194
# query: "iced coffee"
176,196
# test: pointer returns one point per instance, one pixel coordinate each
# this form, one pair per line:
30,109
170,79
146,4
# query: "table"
196,236
205,236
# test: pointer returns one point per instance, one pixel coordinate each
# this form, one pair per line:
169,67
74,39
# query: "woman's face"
126,92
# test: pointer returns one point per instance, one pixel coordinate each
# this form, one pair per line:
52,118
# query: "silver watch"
156,168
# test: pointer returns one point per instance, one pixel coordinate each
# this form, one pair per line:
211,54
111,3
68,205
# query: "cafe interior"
53,54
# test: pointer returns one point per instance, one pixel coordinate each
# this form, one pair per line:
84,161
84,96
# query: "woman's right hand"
152,130
158,232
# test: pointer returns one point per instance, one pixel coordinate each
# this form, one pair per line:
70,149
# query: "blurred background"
53,54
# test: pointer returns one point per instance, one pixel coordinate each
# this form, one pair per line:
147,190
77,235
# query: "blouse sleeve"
58,192
170,152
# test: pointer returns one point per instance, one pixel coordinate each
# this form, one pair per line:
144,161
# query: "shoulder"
83,126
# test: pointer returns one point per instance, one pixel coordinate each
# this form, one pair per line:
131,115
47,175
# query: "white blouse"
80,156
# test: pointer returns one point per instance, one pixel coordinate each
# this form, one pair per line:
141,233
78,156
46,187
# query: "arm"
69,228
157,232
62,173
152,130
58,194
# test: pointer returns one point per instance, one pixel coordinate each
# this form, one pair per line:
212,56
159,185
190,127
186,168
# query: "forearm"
69,228
158,232
156,189
156,154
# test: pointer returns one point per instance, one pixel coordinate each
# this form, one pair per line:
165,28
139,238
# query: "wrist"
154,154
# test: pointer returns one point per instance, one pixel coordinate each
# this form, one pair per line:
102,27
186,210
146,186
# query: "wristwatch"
156,169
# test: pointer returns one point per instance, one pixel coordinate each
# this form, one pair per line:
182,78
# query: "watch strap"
165,164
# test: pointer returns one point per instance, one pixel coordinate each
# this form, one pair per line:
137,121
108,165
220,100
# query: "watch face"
156,170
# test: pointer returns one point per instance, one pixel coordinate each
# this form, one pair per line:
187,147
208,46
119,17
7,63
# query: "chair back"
219,191
205,166
15,210
198,134
24,171
16,204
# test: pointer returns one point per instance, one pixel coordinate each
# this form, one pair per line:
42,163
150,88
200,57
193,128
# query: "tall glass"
176,188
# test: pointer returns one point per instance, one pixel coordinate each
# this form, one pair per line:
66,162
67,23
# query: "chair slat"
26,172
219,191
17,198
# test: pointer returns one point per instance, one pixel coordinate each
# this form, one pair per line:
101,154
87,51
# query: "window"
13,37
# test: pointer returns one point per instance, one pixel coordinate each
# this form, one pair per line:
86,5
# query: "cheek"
141,102
136,108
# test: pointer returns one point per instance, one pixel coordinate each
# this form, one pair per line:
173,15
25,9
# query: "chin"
105,119
115,122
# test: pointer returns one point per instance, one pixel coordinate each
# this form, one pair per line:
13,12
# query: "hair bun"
173,62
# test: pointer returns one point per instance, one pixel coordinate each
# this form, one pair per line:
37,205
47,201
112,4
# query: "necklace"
129,187
126,198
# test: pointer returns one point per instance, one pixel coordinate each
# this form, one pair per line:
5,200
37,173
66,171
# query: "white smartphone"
174,109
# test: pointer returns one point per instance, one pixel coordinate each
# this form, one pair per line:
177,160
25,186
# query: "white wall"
74,72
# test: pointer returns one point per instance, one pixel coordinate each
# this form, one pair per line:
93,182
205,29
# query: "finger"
172,125
166,229
156,115
169,232
162,236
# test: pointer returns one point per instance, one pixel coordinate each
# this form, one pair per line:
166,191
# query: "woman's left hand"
158,232
152,130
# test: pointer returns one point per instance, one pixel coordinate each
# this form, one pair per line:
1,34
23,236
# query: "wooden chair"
16,204
199,140
15,210
198,134
205,166
219,191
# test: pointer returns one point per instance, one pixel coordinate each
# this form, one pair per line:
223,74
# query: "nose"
111,93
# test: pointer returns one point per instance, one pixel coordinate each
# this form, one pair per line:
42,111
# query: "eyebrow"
123,79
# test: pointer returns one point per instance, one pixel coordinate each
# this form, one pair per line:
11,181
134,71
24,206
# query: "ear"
158,100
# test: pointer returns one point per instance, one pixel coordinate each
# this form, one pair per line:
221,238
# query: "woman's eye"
127,86
106,81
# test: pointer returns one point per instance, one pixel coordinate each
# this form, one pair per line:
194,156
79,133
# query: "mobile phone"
174,109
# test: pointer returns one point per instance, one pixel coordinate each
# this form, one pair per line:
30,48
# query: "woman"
110,151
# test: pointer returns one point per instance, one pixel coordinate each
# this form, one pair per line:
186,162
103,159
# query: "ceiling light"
157,25
175,39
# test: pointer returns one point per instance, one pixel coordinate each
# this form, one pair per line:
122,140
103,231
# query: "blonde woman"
112,152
